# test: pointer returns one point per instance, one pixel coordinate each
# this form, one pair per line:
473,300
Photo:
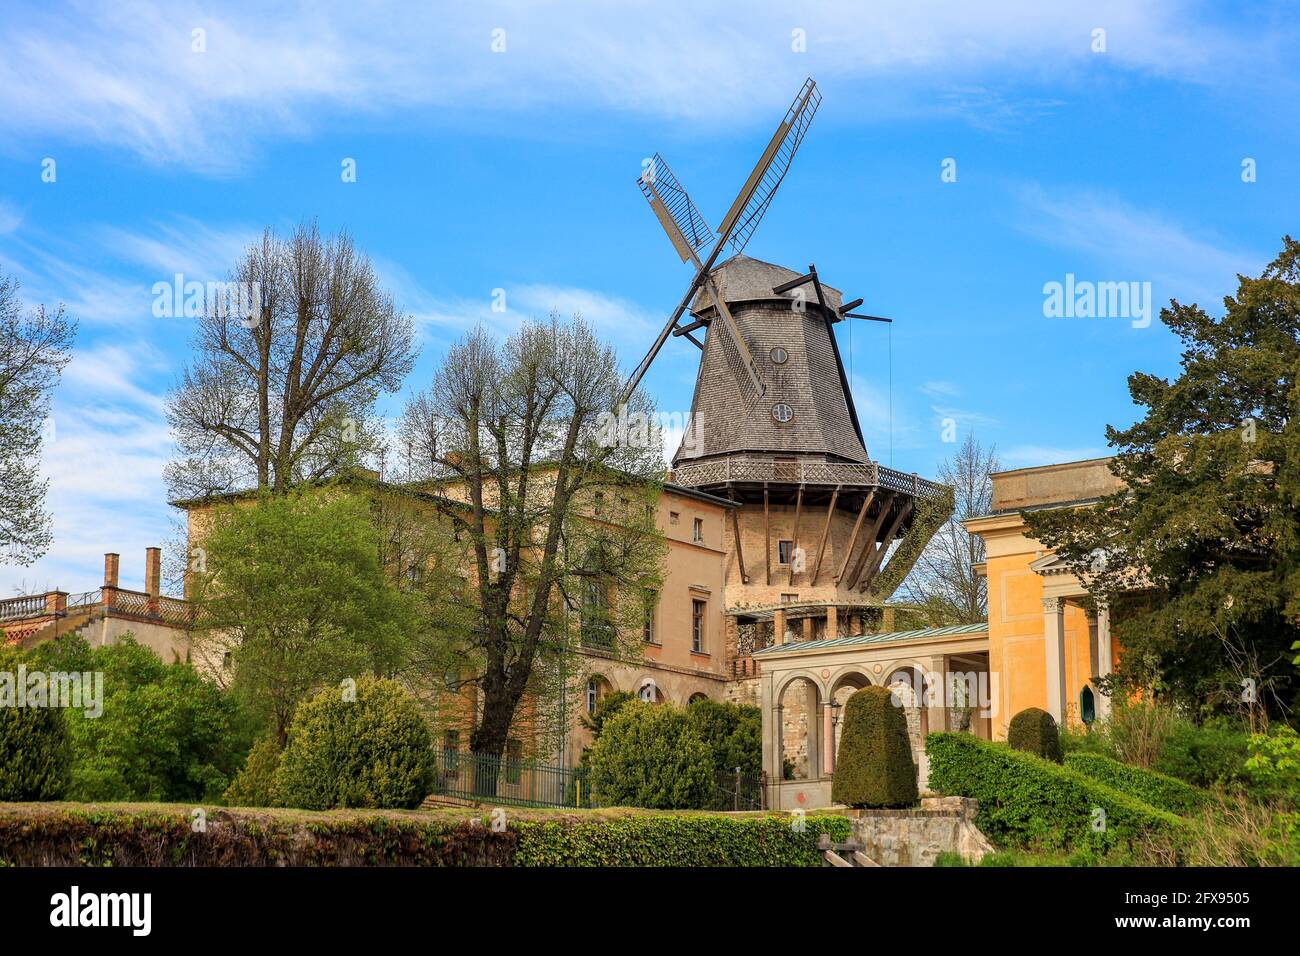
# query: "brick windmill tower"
823,535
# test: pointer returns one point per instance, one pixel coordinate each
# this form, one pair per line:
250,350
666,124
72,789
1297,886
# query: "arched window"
1087,705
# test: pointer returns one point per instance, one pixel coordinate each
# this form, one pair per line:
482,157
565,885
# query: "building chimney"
152,571
111,563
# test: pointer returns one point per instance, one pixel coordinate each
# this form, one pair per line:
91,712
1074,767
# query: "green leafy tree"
649,755
1199,555
368,749
162,731
34,348
254,785
292,595
732,732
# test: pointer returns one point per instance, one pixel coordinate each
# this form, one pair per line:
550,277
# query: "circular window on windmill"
782,412
779,356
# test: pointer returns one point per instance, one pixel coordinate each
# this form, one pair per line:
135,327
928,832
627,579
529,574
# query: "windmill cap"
742,279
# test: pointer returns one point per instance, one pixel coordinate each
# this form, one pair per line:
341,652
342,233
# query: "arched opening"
648,692
596,690
1087,705
697,697
909,688
799,713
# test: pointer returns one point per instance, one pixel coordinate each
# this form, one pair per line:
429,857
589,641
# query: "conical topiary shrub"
874,765
1034,731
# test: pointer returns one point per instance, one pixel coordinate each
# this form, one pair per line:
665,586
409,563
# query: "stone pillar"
808,628
936,691
771,728
153,571
1104,663
832,623
828,740
778,626
1054,650
56,602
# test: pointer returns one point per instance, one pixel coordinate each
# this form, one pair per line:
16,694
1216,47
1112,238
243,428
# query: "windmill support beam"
853,538
869,548
826,530
740,549
794,545
874,567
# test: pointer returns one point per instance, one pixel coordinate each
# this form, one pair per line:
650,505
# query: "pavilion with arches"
939,676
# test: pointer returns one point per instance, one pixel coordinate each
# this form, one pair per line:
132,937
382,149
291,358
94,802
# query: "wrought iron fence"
513,781
733,790
509,780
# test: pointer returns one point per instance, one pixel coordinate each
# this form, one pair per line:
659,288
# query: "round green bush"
874,765
254,785
1034,731
35,753
374,751
649,755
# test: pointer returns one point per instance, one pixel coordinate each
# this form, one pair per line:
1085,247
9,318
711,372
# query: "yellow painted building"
1046,640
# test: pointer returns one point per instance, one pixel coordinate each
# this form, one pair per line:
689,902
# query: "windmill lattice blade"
671,203
756,196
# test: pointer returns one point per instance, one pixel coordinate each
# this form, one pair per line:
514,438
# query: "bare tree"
560,517
944,581
34,348
287,393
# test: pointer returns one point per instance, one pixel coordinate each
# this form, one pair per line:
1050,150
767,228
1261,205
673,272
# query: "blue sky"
479,170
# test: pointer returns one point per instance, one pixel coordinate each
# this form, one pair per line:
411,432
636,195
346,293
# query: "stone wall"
917,837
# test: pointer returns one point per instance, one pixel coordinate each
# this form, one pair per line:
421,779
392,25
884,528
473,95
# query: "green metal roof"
890,637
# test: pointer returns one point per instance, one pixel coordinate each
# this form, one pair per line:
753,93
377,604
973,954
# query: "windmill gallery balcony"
744,470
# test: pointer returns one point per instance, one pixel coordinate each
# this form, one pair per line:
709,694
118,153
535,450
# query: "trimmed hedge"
1157,789
874,767
1028,801
1034,731
665,840
101,836
650,755
70,835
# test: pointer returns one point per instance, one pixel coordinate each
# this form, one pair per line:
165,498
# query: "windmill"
773,424
696,243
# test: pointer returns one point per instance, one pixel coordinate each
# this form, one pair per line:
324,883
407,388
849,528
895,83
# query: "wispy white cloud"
128,74
1135,244
1025,456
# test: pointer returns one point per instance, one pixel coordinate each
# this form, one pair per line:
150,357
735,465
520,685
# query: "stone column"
808,628
1104,663
112,562
778,626
1054,650
935,698
832,623
828,740
771,728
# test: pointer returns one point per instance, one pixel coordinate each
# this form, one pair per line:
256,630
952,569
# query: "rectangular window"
789,598
673,517
698,532
784,551
648,625
697,625
593,695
